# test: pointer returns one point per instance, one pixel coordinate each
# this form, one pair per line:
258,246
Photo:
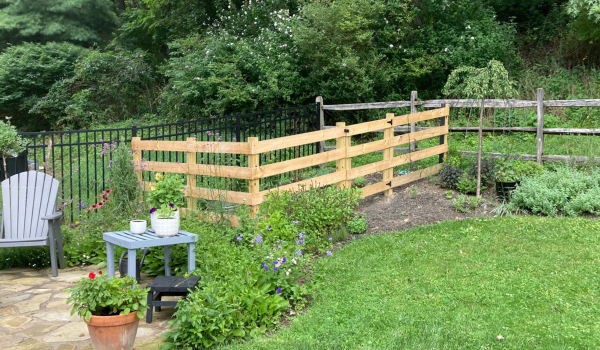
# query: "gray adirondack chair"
29,216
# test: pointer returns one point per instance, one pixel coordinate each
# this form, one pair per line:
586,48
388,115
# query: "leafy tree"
586,14
81,22
480,83
106,87
10,142
27,72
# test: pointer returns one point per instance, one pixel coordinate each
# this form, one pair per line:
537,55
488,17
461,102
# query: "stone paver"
32,304
34,314
14,321
31,344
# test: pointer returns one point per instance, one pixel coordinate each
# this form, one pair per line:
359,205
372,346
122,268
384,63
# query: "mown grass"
457,285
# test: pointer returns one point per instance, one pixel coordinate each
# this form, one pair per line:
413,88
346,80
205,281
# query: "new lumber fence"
254,172
539,130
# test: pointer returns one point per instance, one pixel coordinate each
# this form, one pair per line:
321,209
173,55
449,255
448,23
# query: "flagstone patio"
34,314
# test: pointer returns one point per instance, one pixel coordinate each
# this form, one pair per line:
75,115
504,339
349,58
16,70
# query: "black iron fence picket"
79,158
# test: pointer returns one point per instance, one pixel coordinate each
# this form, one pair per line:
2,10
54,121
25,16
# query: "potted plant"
166,196
11,144
111,307
509,173
166,222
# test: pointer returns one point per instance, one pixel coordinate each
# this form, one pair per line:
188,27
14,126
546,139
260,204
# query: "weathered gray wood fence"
539,130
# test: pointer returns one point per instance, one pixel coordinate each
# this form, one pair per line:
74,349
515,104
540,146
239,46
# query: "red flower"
92,275
100,272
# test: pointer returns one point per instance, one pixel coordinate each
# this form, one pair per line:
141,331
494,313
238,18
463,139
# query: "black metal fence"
81,159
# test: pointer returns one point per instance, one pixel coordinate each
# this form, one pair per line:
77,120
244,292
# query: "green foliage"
358,224
465,204
98,295
339,234
123,177
414,192
467,184
318,209
11,143
107,87
586,14
450,175
514,170
167,190
81,22
449,194
28,71
564,191
488,170
478,83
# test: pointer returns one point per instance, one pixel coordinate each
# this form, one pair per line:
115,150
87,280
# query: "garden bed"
427,205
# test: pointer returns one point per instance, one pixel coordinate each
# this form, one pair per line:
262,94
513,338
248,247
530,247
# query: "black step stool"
167,286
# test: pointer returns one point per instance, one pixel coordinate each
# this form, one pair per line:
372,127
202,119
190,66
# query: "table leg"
110,259
167,260
191,257
131,268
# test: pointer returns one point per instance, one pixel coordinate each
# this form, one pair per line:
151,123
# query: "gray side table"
131,242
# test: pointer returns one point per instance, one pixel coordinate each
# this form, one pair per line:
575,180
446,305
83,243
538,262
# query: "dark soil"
426,205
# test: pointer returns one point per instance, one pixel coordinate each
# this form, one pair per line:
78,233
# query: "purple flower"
299,252
257,239
330,238
268,228
263,264
274,269
239,238
301,235
296,222
152,210
276,262
328,252
266,267
278,290
172,205
282,261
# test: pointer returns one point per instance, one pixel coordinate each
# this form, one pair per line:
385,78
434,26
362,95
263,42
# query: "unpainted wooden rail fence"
540,131
342,154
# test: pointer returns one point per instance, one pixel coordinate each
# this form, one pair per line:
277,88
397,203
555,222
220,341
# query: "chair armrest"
53,216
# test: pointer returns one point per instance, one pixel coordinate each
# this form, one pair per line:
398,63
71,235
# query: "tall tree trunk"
479,151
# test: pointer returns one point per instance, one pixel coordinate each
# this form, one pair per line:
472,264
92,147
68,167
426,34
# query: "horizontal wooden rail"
198,169
533,157
197,146
462,103
533,130
400,180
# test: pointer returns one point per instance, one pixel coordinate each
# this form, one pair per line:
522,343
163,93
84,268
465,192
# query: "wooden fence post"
341,164
388,153
253,184
321,123
413,126
444,138
137,158
540,125
191,179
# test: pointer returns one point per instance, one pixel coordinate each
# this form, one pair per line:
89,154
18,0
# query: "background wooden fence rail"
539,130
342,154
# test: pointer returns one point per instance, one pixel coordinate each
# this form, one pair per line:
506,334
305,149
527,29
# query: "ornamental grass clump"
98,295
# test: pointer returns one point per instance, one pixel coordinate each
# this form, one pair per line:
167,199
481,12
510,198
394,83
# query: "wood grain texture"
253,183
540,125
199,169
185,146
400,180
298,163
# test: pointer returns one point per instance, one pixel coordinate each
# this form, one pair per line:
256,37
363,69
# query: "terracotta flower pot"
113,332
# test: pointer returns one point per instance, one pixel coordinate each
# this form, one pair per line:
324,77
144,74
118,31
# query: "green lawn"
457,285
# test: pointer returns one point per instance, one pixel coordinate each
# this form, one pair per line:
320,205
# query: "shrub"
488,171
450,175
317,209
465,204
565,190
358,224
516,169
467,185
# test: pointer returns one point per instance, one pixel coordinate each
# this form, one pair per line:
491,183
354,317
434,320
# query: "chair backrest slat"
28,197
14,206
37,199
5,209
31,180
22,198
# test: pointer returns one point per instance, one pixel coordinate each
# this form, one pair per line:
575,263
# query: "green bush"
358,224
516,169
564,191
450,174
468,185
316,209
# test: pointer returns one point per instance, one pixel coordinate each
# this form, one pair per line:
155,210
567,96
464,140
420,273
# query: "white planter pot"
154,216
165,227
137,226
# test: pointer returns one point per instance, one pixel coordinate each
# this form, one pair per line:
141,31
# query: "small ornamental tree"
10,142
491,81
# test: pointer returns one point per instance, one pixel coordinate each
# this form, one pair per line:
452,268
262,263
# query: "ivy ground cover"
496,283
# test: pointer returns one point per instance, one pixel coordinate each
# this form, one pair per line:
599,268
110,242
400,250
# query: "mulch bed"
427,205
